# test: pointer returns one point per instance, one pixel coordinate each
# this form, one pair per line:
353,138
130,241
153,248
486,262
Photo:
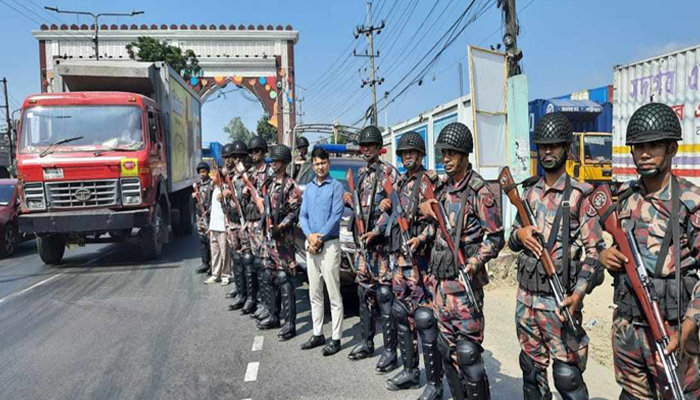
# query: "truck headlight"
131,200
131,191
36,204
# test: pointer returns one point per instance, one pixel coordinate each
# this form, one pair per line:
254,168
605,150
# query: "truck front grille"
81,194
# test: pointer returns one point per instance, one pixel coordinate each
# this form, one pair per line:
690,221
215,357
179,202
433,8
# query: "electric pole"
96,17
510,38
7,119
368,30
300,113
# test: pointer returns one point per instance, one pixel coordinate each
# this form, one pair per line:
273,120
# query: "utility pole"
96,17
510,38
7,118
368,30
300,113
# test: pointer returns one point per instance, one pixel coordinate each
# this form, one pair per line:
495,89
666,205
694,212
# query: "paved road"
106,326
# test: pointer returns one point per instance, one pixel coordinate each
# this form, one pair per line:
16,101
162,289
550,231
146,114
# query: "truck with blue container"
212,153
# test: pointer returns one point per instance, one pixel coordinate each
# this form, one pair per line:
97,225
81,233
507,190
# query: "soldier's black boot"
426,325
289,307
262,289
267,278
272,321
388,360
367,322
239,279
251,281
472,370
205,252
535,384
409,377
568,379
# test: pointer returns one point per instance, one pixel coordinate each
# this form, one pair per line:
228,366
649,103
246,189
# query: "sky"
568,46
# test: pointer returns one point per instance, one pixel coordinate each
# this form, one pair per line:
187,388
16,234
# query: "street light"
96,17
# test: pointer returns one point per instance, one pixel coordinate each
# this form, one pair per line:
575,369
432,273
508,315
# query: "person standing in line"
218,236
303,149
321,211
234,154
204,187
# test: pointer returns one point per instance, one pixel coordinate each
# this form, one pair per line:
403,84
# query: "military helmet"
553,128
256,142
652,122
455,136
302,142
411,141
371,135
203,165
239,148
282,153
227,151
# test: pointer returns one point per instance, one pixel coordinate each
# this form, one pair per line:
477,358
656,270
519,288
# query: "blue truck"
211,152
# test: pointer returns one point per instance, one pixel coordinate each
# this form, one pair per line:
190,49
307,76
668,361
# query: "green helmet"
553,128
455,136
411,141
371,135
653,122
282,153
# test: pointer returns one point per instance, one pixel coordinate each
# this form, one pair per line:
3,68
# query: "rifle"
641,284
198,196
505,179
239,209
357,210
267,212
426,188
400,219
253,191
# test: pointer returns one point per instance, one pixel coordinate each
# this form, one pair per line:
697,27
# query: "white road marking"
21,292
251,372
258,343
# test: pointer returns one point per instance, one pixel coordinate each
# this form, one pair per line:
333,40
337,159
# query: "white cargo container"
670,79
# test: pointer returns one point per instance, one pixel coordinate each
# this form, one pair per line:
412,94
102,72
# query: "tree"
267,131
237,131
150,49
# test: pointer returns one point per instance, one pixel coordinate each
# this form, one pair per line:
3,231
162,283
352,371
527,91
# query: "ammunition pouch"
251,212
532,277
665,289
443,266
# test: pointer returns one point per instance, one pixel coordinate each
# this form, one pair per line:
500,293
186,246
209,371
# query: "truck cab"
591,158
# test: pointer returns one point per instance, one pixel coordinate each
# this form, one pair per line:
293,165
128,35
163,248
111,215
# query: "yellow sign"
130,167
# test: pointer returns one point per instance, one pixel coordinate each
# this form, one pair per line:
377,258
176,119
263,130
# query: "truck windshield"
101,128
598,149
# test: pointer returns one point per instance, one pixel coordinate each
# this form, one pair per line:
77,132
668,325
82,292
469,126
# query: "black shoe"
231,294
265,314
388,361
313,342
362,351
238,303
270,322
331,348
258,311
202,269
288,332
431,392
249,307
406,379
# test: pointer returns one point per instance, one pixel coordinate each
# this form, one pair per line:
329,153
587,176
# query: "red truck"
114,147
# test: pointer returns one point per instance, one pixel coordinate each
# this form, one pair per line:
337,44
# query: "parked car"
339,166
10,236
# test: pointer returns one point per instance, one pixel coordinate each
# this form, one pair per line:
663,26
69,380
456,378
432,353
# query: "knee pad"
470,361
282,277
384,297
247,258
568,380
400,312
426,324
267,276
236,257
258,262
363,293
528,368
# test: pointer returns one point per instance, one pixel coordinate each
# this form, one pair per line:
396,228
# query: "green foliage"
237,131
150,49
267,131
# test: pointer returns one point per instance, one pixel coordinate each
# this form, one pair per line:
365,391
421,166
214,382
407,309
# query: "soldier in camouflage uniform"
480,237
205,187
303,149
241,256
646,207
283,199
258,173
569,225
373,275
412,301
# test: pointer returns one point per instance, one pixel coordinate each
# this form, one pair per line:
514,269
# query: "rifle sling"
670,235
460,222
565,213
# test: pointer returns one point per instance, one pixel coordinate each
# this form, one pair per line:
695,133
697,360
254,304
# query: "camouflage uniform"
258,176
481,238
647,215
206,189
373,274
239,240
280,255
542,335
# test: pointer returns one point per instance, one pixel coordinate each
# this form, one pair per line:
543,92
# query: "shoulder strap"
671,235
413,201
675,223
565,209
460,222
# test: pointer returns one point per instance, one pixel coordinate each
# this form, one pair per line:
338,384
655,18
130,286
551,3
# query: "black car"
339,167
10,236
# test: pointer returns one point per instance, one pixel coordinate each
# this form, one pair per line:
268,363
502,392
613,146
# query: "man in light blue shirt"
321,211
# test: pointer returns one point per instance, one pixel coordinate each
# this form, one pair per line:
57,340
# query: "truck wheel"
152,235
51,248
8,241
